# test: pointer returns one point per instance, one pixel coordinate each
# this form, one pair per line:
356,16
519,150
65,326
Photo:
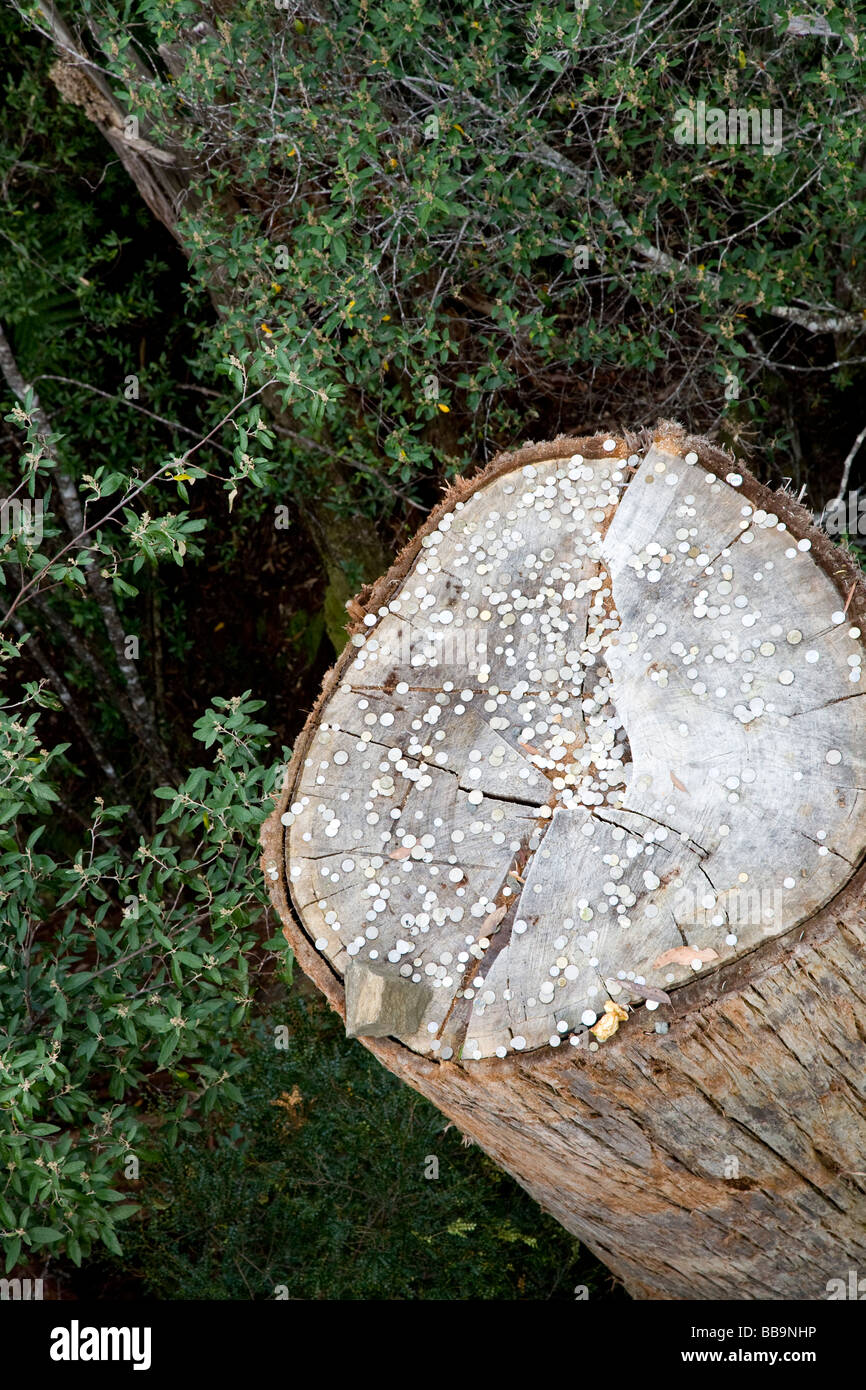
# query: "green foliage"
122,976
467,212
124,538
315,1181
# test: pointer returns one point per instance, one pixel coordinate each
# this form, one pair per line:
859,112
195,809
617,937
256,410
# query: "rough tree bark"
574,841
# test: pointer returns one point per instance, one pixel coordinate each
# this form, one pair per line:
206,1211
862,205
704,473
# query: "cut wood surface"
590,767
603,734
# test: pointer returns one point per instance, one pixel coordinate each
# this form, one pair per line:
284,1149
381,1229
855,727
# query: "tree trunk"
573,841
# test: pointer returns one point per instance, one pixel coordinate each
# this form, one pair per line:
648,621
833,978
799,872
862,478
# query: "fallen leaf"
292,1102
684,955
289,1100
492,920
648,992
678,784
402,853
608,1024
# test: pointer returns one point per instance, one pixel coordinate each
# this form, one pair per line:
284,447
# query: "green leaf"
168,1047
45,1235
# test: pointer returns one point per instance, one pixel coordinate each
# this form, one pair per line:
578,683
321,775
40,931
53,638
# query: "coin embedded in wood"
596,733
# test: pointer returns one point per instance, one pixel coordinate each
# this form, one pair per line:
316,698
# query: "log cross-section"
591,764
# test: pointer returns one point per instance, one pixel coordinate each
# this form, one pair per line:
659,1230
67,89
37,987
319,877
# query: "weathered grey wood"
719,1013
582,711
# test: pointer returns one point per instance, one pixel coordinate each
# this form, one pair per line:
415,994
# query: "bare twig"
143,723
846,469
72,708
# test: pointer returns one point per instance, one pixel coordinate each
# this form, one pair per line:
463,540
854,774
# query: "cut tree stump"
574,838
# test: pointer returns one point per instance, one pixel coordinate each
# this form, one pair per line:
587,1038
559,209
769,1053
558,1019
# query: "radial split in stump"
598,732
